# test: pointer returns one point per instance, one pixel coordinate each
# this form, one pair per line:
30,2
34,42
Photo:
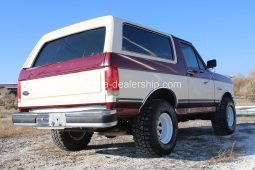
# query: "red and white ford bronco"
114,77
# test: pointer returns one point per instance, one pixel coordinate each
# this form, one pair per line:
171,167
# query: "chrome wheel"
164,128
76,135
230,116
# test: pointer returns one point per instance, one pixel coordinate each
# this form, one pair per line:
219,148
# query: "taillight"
111,78
19,91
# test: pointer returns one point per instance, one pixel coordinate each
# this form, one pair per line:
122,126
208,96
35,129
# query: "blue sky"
221,29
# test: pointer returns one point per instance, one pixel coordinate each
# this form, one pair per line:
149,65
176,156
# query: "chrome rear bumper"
95,118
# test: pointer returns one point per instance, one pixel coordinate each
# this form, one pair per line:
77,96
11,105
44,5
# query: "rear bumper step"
80,119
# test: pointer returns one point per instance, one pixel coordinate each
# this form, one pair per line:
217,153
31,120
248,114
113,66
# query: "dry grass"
8,130
8,99
6,113
244,102
224,155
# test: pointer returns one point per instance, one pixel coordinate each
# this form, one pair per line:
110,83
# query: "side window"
190,56
146,42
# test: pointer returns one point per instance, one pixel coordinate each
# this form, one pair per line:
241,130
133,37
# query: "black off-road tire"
145,129
71,140
219,118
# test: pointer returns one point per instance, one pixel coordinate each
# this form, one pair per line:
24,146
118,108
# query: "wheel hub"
76,135
164,128
230,116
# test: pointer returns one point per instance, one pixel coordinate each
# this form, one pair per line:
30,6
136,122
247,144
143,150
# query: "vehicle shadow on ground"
195,144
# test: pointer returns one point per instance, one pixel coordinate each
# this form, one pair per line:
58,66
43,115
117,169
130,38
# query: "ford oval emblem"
25,93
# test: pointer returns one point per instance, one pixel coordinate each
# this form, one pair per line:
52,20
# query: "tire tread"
219,122
61,140
142,129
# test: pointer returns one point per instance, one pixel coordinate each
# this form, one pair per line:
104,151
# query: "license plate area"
57,119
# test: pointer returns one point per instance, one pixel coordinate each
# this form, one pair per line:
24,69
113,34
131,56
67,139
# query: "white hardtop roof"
107,21
76,26
108,18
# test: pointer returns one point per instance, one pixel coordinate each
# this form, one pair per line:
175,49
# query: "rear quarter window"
74,46
146,42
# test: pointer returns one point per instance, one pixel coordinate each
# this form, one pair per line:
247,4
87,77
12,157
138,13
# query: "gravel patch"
197,148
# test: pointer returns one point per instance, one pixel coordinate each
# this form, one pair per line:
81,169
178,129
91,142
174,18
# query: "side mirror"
211,63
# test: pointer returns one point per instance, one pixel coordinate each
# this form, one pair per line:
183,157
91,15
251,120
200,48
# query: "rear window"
146,42
71,47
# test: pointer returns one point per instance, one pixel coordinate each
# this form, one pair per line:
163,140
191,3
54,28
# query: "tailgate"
84,87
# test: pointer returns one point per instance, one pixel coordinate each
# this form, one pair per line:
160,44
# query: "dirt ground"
197,148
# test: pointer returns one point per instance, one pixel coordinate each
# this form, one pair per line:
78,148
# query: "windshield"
74,46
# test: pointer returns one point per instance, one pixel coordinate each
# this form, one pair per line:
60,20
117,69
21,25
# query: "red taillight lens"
19,91
111,78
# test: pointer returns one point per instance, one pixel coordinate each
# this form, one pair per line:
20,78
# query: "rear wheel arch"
162,93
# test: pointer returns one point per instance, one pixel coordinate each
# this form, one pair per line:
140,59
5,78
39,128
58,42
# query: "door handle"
219,88
191,72
201,71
